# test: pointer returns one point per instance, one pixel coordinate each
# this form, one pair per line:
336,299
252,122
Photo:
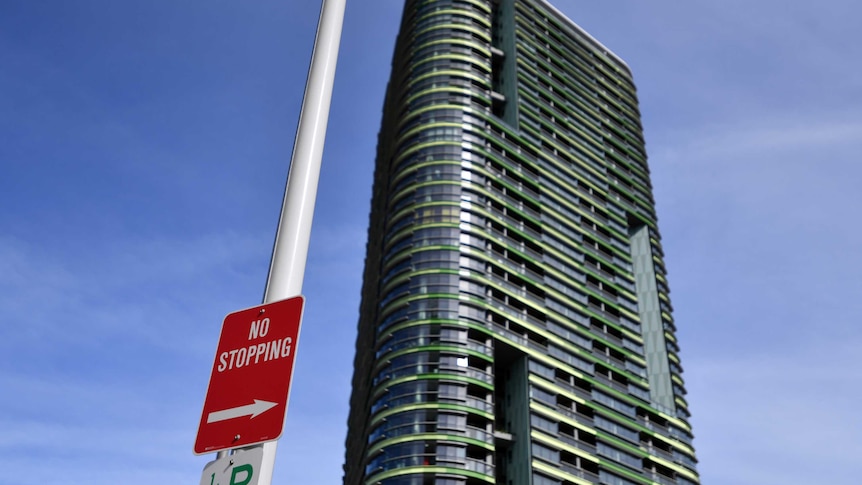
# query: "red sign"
247,396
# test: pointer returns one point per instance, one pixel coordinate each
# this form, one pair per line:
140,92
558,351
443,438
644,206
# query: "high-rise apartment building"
515,321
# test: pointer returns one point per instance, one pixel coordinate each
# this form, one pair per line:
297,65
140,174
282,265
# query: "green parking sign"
240,468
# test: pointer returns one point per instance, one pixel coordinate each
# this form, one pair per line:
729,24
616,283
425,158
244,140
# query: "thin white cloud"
795,174
757,414
140,288
54,427
748,139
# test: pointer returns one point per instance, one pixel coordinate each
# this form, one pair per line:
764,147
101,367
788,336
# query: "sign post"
290,251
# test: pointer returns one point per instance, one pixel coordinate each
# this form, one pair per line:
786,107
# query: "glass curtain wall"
515,324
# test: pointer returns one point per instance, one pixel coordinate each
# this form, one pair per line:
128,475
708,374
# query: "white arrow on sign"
259,407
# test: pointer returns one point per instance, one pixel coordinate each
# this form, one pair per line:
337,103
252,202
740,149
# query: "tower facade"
515,325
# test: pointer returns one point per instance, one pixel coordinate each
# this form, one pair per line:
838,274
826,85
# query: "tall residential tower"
515,323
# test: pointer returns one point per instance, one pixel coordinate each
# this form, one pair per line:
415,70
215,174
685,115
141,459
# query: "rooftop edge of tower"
580,31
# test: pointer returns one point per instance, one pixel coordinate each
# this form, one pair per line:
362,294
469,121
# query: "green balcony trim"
552,414
414,248
645,220
617,252
454,56
576,43
493,156
506,200
622,470
431,247
480,4
452,11
569,101
589,270
420,111
483,34
485,172
575,63
623,238
427,436
559,473
453,42
586,138
454,348
412,274
415,208
412,168
575,175
579,143
541,408
587,167
447,89
669,336
439,321
407,299
567,345
383,414
599,408
578,286
409,230
556,443
373,479
585,81
418,185
381,387
482,191
415,148
425,127
563,111
616,69
589,403
673,466
488,215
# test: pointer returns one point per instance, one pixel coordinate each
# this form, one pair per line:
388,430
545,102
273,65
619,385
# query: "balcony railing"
578,472
578,444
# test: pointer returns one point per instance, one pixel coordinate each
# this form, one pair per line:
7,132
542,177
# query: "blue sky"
143,152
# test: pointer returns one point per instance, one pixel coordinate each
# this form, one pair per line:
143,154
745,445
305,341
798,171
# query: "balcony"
653,426
516,315
658,477
575,390
611,383
582,418
520,339
578,472
601,312
480,434
578,444
655,451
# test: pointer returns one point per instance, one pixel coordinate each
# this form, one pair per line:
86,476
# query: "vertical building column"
655,347
513,415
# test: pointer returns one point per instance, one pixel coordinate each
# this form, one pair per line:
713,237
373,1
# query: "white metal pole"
290,251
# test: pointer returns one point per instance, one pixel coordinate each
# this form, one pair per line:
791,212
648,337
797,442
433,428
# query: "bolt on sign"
246,399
